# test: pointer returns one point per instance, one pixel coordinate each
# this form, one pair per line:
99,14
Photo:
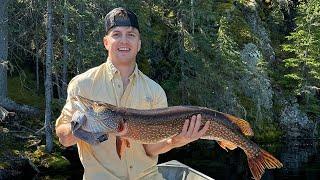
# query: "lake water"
301,160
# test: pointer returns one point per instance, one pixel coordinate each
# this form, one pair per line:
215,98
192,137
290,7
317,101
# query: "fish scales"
156,125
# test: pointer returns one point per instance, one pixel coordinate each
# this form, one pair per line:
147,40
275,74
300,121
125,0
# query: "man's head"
122,38
120,17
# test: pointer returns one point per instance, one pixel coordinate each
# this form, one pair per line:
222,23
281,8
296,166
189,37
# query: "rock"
295,123
255,82
250,10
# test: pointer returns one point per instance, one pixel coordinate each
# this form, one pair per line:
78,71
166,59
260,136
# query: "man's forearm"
159,148
190,132
65,135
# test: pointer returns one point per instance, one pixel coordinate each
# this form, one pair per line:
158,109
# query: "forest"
255,59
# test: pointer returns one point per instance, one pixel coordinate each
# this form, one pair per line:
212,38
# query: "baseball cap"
120,17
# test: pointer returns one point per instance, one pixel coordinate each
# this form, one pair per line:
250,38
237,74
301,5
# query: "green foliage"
19,91
268,131
52,161
304,65
193,51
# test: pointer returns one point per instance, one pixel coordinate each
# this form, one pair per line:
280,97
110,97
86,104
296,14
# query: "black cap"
120,17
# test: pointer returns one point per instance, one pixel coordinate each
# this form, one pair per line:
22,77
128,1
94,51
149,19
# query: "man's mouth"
124,49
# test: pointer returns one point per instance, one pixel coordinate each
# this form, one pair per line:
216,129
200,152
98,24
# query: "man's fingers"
185,128
196,126
191,126
204,129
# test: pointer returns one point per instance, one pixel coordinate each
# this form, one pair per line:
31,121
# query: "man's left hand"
190,132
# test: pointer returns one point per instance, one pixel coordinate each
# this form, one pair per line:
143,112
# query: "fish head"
102,112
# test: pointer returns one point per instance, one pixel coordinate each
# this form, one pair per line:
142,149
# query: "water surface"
301,160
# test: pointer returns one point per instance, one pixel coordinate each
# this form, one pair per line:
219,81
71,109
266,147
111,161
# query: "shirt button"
130,167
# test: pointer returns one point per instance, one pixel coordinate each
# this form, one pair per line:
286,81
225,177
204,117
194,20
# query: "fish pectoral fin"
227,145
222,145
121,145
127,143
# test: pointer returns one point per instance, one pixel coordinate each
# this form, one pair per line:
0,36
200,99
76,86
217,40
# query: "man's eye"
132,35
115,35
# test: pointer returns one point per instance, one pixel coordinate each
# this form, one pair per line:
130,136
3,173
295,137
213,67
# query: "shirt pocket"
145,102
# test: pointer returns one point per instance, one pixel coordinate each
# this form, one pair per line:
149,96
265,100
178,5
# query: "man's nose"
124,39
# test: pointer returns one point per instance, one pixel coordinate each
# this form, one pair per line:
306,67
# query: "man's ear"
139,45
105,42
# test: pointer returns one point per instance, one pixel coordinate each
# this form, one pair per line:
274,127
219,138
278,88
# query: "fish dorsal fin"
242,124
103,104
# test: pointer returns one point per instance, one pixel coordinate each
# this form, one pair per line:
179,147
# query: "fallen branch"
34,143
23,137
11,105
39,131
29,129
4,113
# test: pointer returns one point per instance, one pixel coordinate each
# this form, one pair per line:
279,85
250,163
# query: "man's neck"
125,69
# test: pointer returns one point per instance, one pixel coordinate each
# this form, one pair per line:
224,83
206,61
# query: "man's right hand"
66,138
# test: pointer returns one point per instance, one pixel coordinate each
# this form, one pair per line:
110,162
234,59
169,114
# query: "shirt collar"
112,70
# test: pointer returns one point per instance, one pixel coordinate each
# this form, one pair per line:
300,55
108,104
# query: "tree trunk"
37,60
184,90
48,80
192,16
3,47
57,79
36,42
80,39
65,50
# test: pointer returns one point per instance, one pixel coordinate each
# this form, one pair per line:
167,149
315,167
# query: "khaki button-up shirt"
103,83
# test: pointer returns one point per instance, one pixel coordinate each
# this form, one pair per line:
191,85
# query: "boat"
175,170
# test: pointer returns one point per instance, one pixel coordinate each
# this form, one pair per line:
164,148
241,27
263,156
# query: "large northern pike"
156,125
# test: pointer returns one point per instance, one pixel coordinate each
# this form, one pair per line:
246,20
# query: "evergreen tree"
303,67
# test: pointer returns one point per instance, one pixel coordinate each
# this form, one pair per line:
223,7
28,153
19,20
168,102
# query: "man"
118,81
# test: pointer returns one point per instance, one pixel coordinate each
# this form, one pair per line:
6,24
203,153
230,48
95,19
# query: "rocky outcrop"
256,83
295,123
251,14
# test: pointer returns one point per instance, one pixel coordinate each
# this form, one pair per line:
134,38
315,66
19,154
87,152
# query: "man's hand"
190,132
65,135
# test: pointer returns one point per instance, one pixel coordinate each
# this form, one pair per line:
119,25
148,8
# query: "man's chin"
126,60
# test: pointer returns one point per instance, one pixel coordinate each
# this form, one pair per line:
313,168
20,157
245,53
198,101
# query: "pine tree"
304,65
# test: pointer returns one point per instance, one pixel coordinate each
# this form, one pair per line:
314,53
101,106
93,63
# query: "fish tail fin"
258,164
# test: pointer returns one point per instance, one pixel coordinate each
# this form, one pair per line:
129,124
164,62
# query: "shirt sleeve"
160,99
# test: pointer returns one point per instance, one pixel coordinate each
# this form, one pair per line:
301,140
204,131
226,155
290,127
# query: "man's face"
123,44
